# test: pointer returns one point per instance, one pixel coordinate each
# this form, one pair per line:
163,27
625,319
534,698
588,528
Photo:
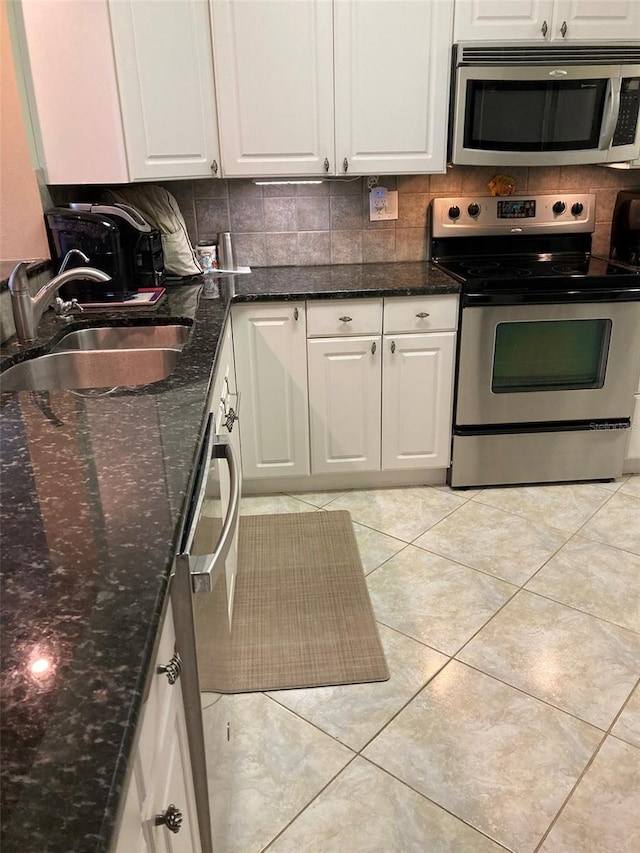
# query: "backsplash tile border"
308,225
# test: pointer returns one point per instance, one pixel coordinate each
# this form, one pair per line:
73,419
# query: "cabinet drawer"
344,317
420,314
158,698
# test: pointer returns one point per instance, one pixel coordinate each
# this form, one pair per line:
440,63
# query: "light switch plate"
383,204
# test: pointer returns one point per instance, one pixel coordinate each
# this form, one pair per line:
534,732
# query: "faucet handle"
63,309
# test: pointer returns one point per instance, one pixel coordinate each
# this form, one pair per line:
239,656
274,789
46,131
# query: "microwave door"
533,115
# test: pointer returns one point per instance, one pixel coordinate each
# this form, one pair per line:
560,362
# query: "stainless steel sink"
124,337
90,369
106,357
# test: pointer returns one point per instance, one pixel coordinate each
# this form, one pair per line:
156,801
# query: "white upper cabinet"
392,62
274,84
165,76
546,20
308,87
123,90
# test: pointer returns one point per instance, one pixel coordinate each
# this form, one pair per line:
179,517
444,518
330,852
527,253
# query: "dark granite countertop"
93,489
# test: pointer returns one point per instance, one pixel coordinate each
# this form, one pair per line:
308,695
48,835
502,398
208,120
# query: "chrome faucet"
27,309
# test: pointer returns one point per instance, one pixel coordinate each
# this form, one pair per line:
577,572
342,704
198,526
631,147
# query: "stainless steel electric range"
549,342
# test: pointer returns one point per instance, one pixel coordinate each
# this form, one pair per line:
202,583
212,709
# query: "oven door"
534,364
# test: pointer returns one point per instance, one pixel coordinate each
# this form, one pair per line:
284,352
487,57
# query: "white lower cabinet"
417,398
271,369
632,462
381,401
344,403
159,812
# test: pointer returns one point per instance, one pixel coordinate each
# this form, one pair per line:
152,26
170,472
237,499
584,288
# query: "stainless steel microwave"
515,104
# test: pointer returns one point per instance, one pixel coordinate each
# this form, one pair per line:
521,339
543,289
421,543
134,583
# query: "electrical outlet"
382,204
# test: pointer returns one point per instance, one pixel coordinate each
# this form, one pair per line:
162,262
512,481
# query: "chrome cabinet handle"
422,314
326,164
296,314
214,167
373,348
171,818
345,165
172,669
345,319
563,29
393,346
544,29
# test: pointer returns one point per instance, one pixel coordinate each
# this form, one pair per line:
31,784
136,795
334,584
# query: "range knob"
559,207
473,209
577,208
454,212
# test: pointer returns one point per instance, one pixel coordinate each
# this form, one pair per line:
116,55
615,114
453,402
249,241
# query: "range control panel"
527,214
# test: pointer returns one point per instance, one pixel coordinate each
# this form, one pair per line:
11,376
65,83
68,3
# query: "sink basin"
90,369
124,337
101,357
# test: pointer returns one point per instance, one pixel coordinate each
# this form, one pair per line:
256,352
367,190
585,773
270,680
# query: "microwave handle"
613,108
202,567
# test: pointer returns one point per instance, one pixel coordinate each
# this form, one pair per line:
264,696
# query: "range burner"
496,271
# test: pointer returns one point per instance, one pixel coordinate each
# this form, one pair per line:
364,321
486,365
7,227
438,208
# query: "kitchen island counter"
92,505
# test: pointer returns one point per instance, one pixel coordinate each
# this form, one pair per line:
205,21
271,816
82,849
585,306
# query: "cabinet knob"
345,165
421,315
544,29
214,167
171,818
326,164
563,29
345,319
296,314
393,346
172,669
373,348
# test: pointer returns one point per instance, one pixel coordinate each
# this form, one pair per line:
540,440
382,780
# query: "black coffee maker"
116,239
625,228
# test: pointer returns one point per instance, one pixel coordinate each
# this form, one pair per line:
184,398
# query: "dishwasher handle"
203,567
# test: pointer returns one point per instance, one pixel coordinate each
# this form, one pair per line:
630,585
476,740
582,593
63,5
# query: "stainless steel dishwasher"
206,557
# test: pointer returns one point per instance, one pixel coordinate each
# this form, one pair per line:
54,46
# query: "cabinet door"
75,94
165,76
344,403
633,447
274,83
417,395
172,787
596,20
392,67
271,369
494,20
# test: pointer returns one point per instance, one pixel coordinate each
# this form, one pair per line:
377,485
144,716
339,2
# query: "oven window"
532,115
550,355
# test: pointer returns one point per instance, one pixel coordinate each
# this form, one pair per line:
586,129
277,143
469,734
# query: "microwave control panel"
486,215
627,124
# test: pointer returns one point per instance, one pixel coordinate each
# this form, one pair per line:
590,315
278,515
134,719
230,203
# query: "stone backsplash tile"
346,247
313,213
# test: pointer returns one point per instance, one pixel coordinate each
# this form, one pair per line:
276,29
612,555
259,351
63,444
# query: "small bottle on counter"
207,253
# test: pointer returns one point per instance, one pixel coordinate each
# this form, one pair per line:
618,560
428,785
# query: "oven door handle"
609,125
203,567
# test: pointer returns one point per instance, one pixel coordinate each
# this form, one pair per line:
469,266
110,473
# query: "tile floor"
511,623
